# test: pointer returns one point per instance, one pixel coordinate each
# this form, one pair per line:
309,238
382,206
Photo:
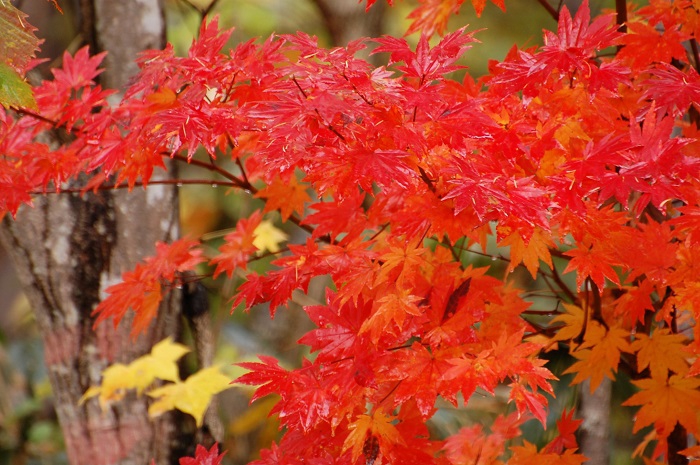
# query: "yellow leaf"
159,364
255,416
139,374
116,379
92,391
267,237
168,351
191,396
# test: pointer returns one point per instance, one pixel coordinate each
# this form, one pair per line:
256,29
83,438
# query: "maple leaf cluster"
571,157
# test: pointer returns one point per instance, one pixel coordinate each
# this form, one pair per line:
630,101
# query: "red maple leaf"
672,89
566,439
141,289
237,247
202,456
644,45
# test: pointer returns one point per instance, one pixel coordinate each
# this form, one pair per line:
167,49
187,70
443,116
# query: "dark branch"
554,13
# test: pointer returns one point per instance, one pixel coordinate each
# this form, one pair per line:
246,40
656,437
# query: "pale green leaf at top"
15,92
18,43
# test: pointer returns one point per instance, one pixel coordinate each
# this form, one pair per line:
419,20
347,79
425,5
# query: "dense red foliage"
580,156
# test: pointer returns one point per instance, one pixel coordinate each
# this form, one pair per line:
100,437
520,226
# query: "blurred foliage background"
29,433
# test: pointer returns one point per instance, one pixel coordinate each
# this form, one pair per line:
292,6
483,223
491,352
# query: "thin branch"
126,185
550,9
621,17
243,173
205,12
191,5
25,112
696,53
597,304
562,285
541,312
242,183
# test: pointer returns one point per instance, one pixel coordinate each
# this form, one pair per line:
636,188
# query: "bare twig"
554,13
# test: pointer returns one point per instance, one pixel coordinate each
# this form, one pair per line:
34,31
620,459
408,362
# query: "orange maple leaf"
286,196
599,355
665,402
378,425
402,262
566,439
473,446
527,454
591,262
394,306
693,453
573,323
662,352
432,15
238,246
530,254
140,289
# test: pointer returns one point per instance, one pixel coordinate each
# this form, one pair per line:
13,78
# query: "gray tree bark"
594,434
68,249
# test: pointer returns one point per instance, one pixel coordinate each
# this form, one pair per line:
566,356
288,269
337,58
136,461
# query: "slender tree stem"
621,18
553,12
105,187
696,53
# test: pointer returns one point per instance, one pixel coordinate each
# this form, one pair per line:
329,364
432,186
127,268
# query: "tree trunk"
346,20
68,249
594,435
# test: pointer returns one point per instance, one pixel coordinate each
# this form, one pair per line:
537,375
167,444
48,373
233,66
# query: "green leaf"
15,92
